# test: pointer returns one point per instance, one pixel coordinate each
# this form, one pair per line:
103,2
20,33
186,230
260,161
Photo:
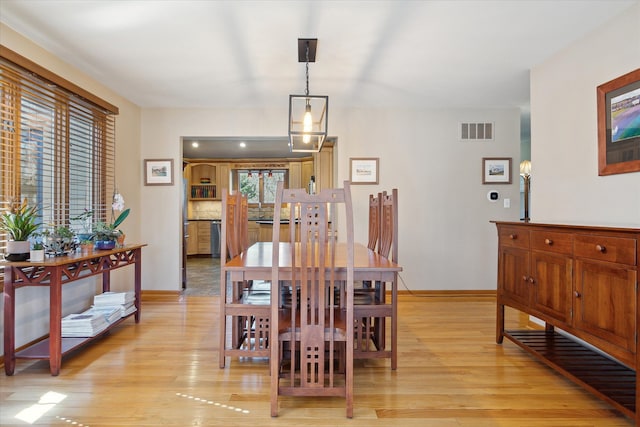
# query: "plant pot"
104,244
18,250
36,255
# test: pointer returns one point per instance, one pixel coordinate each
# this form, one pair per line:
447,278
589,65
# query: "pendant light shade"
308,114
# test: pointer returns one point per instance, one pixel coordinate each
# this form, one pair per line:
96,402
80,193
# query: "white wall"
565,184
446,240
32,305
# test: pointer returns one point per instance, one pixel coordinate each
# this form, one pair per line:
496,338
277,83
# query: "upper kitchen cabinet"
206,180
323,167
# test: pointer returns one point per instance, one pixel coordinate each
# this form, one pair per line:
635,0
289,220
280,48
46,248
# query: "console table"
54,272
583,281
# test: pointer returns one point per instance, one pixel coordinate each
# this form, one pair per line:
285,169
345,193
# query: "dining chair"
312,336
244,310
373,309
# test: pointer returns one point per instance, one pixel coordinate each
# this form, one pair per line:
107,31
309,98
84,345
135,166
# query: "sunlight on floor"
47,402
210,402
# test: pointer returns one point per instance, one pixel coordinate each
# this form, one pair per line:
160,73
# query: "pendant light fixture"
308,114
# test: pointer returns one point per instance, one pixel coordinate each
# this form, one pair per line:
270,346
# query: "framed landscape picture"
158,172
618,104
496,170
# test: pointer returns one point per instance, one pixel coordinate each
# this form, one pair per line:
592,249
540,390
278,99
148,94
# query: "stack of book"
124,302
87,324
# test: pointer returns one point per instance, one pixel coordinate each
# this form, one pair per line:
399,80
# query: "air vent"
476,131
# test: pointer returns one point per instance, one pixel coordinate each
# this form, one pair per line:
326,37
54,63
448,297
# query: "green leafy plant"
38,246
19,221
84,220
105,231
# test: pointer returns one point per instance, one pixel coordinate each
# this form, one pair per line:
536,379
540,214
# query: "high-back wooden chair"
373,311
244,321
312,337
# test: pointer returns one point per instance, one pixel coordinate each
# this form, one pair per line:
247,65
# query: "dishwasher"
215,238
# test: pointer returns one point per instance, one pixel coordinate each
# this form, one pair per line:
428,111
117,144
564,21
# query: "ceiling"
371,54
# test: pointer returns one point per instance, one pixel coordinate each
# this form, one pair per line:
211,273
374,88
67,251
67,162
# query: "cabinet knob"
548,242
532,280
577,294
513,236
601,248
525,279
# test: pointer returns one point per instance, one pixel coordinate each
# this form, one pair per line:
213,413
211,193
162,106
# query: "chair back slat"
374,220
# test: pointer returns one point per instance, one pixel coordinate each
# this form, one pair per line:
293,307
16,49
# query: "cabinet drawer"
605,248
549,241
514,237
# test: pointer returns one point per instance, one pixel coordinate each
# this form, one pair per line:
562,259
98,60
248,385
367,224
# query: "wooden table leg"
394,322
55,322
137,257
9,322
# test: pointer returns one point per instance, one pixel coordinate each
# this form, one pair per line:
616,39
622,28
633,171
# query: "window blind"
57,148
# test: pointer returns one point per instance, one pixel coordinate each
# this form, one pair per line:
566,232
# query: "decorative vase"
121,240
104,244
18,250
36,255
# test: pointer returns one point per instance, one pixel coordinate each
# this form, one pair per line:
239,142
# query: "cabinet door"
204,237
254,232
605,302
552,284
192,239
513,276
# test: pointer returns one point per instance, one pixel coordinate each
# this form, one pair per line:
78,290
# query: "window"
260,186
57,144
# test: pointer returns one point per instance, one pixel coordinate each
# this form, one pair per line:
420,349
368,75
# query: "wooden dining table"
256,262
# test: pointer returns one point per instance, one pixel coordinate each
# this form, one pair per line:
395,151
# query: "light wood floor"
164,371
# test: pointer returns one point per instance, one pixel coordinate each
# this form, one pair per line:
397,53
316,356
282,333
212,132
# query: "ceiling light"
308,114
195,144
243,145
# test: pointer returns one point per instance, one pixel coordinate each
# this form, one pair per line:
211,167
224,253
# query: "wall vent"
476,131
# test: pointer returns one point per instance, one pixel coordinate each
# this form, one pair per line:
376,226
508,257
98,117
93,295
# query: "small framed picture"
364,170
158,172
496,170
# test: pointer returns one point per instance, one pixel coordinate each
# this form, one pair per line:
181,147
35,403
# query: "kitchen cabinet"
581,280
199,237
266,231
323,168
254,232
192,238
204,237
202,181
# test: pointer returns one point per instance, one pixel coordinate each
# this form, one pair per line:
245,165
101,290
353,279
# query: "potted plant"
19,222
84,222
37,252
105,235
59,240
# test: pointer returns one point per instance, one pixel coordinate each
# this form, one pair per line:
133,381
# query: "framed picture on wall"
363,170
158,172
619,125
496,170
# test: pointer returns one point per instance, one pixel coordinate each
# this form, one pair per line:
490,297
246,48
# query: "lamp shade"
525,168
308,117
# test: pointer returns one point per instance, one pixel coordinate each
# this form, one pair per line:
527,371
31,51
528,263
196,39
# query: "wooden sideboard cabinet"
582,282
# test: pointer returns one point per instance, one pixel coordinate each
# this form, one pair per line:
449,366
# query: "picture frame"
496,170
364,170
158,172
618,103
